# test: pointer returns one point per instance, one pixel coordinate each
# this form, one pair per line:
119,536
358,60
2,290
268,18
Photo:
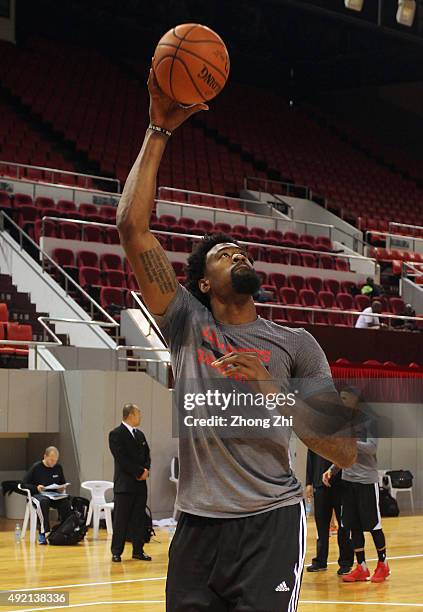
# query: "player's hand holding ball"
190,66
164,111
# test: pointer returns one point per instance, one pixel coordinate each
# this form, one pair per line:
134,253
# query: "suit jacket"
132,456
316,466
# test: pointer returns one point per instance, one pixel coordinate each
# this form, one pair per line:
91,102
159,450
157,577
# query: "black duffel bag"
387,504
148,526
401,479
73,528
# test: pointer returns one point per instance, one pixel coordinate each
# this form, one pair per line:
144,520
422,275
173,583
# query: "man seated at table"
42,474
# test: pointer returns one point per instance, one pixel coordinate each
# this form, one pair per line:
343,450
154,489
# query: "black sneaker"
141,556
315,567
344,570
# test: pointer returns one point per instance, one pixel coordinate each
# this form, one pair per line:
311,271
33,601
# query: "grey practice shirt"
364,470
231,477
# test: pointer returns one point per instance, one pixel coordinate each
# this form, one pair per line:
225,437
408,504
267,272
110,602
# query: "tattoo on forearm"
159,270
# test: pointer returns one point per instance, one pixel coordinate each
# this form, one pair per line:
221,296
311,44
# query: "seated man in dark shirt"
41,475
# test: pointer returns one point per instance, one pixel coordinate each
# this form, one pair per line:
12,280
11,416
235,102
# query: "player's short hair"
128,409
197,263
51,449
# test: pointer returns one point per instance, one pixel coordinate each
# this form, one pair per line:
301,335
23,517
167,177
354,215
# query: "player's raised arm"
154,272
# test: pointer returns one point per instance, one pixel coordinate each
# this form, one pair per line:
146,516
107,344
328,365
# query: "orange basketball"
191,64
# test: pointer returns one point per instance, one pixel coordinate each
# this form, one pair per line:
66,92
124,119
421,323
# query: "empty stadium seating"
21,143
85,81
17,322
355,187
109,279
286,139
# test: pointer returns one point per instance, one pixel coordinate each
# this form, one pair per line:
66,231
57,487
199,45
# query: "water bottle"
308,506
17,534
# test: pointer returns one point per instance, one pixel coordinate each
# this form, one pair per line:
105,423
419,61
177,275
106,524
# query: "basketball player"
240,540
360,503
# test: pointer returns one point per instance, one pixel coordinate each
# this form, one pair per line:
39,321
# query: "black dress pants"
43,504
327,499
129,521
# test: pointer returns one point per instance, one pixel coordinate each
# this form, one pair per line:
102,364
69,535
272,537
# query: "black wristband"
157,128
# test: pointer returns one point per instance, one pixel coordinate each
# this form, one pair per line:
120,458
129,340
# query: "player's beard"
245,281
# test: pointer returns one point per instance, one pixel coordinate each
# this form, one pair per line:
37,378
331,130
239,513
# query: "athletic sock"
379,540
361,558
358,543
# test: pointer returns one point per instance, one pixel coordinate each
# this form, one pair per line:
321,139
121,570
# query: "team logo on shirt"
212,349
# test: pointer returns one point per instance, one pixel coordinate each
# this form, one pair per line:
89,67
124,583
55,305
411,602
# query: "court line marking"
92,603
86,584
129,580
161,601
361,603
389,558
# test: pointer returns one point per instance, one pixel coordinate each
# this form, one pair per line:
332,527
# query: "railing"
408,225
152,324
20,168
195,237
276,221
161,348
300,191
44,257
412,270
140,361
263,186
74,221
74,194
354,313
398,241
282,206
36,345
197,194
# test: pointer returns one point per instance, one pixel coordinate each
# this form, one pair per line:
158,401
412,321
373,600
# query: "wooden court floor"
94,583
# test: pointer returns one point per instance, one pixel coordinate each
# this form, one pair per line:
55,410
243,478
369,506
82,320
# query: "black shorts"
251,564
360,506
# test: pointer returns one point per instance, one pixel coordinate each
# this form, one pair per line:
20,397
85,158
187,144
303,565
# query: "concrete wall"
29,401
95,401
76,410
84,358
412,294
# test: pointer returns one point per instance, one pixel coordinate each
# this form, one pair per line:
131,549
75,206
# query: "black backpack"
148,527
74,526
401,479
387,504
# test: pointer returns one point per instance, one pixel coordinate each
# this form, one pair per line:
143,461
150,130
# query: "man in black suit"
326,500
132,468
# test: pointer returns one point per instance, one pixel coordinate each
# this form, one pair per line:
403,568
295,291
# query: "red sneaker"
357,575
382,572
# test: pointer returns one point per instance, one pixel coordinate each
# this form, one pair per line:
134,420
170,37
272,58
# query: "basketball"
191,64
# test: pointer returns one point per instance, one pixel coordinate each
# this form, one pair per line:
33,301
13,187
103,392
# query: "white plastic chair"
30,516
174,477
381,474
394,492
99,508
